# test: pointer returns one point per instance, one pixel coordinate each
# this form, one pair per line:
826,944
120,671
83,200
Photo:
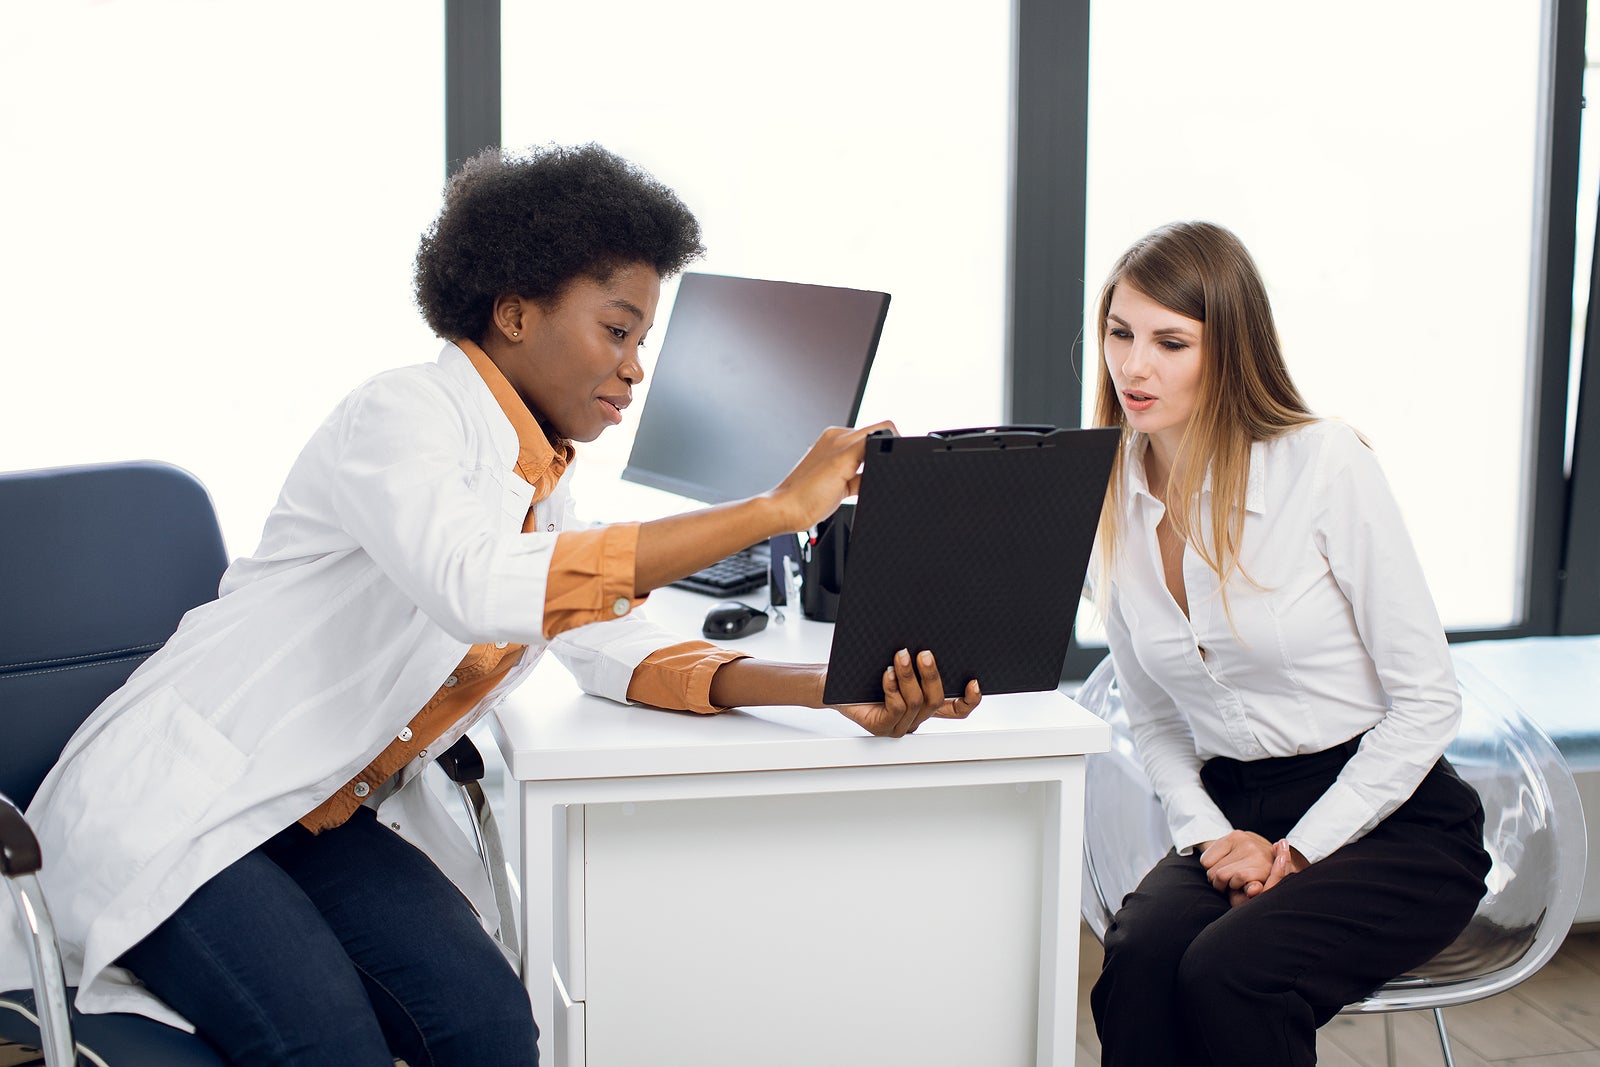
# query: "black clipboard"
974,544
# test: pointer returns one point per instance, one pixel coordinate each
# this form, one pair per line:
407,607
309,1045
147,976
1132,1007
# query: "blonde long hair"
1203,272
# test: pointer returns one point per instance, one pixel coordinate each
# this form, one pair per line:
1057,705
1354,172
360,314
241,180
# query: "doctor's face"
576,361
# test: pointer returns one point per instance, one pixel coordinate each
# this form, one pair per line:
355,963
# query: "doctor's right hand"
828,473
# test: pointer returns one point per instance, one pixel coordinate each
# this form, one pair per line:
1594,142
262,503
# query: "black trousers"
1188,979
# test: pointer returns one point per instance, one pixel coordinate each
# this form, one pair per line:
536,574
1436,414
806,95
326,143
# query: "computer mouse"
732,619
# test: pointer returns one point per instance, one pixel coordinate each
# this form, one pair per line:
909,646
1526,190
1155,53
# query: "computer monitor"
750,372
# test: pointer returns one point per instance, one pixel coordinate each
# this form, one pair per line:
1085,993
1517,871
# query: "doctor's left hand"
912,693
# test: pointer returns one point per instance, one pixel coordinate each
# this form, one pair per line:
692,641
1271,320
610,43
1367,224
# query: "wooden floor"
1551,1020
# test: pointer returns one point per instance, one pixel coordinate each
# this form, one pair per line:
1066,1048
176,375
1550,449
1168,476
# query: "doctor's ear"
510,317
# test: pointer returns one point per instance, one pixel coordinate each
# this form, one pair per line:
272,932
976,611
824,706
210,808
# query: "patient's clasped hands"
1244,864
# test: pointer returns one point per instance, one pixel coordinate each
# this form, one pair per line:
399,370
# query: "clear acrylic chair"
1533,830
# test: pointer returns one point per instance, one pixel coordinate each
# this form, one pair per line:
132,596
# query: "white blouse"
1330,632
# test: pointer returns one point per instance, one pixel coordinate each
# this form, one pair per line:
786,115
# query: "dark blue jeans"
348,947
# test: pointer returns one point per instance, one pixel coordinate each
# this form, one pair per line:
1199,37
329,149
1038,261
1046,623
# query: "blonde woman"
1286,677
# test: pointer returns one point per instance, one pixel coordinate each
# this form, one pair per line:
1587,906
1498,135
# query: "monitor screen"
750,372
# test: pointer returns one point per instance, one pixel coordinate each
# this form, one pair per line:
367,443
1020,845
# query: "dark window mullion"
1580,589
471,79
1546,521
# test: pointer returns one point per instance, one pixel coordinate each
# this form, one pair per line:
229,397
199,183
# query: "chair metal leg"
49,985
486,836
1444,1038
1388,1037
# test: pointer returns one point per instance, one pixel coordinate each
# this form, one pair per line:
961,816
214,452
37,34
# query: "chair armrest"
462,762
19,848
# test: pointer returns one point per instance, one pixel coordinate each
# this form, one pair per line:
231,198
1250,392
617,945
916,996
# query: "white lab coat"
395,545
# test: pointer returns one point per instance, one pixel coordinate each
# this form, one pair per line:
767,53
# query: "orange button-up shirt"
591,571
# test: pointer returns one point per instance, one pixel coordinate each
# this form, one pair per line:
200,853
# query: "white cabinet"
833,928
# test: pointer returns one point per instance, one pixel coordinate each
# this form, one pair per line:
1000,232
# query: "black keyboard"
739,573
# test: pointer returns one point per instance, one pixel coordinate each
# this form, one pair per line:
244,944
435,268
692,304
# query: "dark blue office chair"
97,565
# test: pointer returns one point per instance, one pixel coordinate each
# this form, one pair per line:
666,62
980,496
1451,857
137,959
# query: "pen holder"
822,566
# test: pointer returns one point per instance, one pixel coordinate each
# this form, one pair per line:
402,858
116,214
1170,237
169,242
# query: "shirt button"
450,682
405,733
551,528
423,754
621,606
500,644
362,789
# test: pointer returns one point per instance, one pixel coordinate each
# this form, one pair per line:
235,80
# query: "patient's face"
1154,357
578,360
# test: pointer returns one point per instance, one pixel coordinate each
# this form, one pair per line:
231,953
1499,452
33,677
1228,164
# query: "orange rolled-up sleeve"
678,677
591,577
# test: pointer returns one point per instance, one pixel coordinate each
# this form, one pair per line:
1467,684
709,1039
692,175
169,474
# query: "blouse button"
621,606
450,682
405,733
362,789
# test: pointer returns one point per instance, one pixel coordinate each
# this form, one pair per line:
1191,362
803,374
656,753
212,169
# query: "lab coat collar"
540,463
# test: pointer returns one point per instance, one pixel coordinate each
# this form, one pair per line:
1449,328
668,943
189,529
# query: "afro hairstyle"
530,223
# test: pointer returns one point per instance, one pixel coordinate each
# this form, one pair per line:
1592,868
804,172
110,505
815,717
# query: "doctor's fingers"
913,689
894,703
899,709
932,684
825,475
961,706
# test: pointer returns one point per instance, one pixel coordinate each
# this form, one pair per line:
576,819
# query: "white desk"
776,887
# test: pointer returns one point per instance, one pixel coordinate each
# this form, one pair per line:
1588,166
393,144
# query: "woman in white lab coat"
1285,675
239,839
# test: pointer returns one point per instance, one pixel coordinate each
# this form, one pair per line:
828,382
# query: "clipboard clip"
994,437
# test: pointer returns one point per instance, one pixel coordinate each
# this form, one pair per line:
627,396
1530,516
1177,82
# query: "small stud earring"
514,333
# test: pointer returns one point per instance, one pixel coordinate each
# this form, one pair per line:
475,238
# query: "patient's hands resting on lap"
1243,865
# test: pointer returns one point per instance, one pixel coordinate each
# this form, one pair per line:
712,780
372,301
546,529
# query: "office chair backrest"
97,566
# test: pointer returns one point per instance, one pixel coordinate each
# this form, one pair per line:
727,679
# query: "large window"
1382,163
210,214
843,142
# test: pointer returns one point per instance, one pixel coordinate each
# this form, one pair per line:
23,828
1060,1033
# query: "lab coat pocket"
146,777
